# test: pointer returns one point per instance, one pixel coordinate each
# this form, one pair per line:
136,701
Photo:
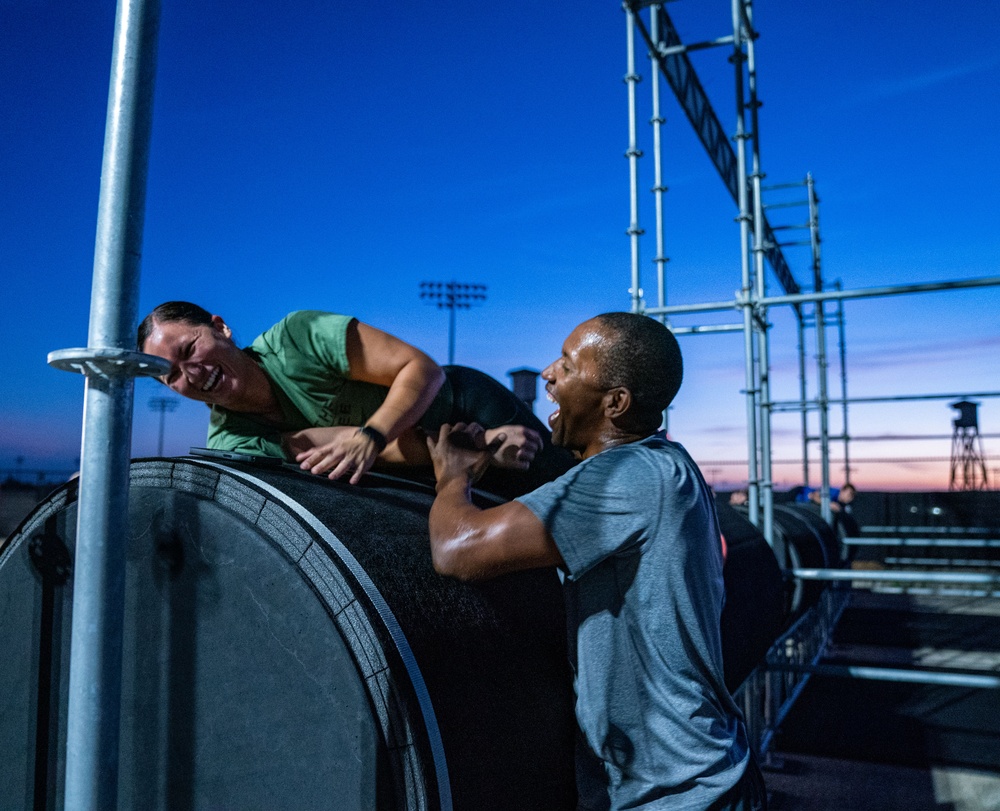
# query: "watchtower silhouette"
525,384
968,463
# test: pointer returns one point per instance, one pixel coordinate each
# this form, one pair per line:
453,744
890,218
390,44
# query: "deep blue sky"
334,155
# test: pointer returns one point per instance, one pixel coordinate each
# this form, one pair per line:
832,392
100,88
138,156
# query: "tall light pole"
452,296
163,405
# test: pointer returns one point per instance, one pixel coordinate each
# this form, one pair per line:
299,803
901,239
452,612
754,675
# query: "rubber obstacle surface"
754,612
288,645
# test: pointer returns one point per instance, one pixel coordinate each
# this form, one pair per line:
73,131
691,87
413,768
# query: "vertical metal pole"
824,413
803,393
657,120
159,440
102,525
633,154
842,341
821,357
763,339
748,294
451,328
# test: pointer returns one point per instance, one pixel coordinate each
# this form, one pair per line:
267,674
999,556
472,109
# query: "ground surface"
854,744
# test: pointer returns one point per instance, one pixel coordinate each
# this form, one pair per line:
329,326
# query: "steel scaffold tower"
741,173
772,689
757,239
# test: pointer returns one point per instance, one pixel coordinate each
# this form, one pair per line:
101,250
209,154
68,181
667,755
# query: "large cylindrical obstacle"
826,534
288,645
811,544
809,540
755,610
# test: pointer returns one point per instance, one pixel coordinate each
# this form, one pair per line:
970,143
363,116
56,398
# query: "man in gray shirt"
634,533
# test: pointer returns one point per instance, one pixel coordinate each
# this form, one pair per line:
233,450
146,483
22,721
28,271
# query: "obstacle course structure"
287,643
820,590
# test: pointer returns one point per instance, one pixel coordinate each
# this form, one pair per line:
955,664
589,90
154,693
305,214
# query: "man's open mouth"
551,399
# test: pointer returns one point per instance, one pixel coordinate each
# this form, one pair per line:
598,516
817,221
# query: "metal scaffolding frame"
769,692
758,242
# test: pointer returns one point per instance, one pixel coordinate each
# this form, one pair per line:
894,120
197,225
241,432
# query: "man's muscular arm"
473,544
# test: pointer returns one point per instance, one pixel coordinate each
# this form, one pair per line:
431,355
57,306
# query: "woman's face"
206,364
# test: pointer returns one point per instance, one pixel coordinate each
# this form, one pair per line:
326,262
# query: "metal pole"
748,294
163,405
899,398
451,329
633,154
102,521
892,674
763,339
878,292
452,296
973,543
821,358
803,395
829,295
842,343
657,121
883,576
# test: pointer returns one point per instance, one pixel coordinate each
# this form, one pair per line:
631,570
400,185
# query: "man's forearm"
450,523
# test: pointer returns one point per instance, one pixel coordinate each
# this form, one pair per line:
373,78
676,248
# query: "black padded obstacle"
755,610
811,544
288,645
827,535
810,541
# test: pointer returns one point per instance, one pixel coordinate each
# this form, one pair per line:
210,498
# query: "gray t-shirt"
637,528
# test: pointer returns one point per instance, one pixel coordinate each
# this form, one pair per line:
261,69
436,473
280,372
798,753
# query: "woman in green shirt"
337,395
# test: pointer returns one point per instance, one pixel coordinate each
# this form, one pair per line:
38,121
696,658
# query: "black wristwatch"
375,436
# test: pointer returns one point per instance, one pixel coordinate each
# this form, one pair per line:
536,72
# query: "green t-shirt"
305,357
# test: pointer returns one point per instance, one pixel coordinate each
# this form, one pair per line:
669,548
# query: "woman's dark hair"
645,358
172,312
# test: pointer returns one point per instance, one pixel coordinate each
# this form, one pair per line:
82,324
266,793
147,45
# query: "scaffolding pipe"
877,292
743,7
842,344
633,154
803,395
828,295
901,437
691,95
109,364
976,563
953,531
944,543
711,329
892,674
821,360
673,50
747,290
969,578
796,404
657,120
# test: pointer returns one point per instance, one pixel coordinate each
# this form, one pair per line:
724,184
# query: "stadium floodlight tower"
452,296
968,462
162,405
